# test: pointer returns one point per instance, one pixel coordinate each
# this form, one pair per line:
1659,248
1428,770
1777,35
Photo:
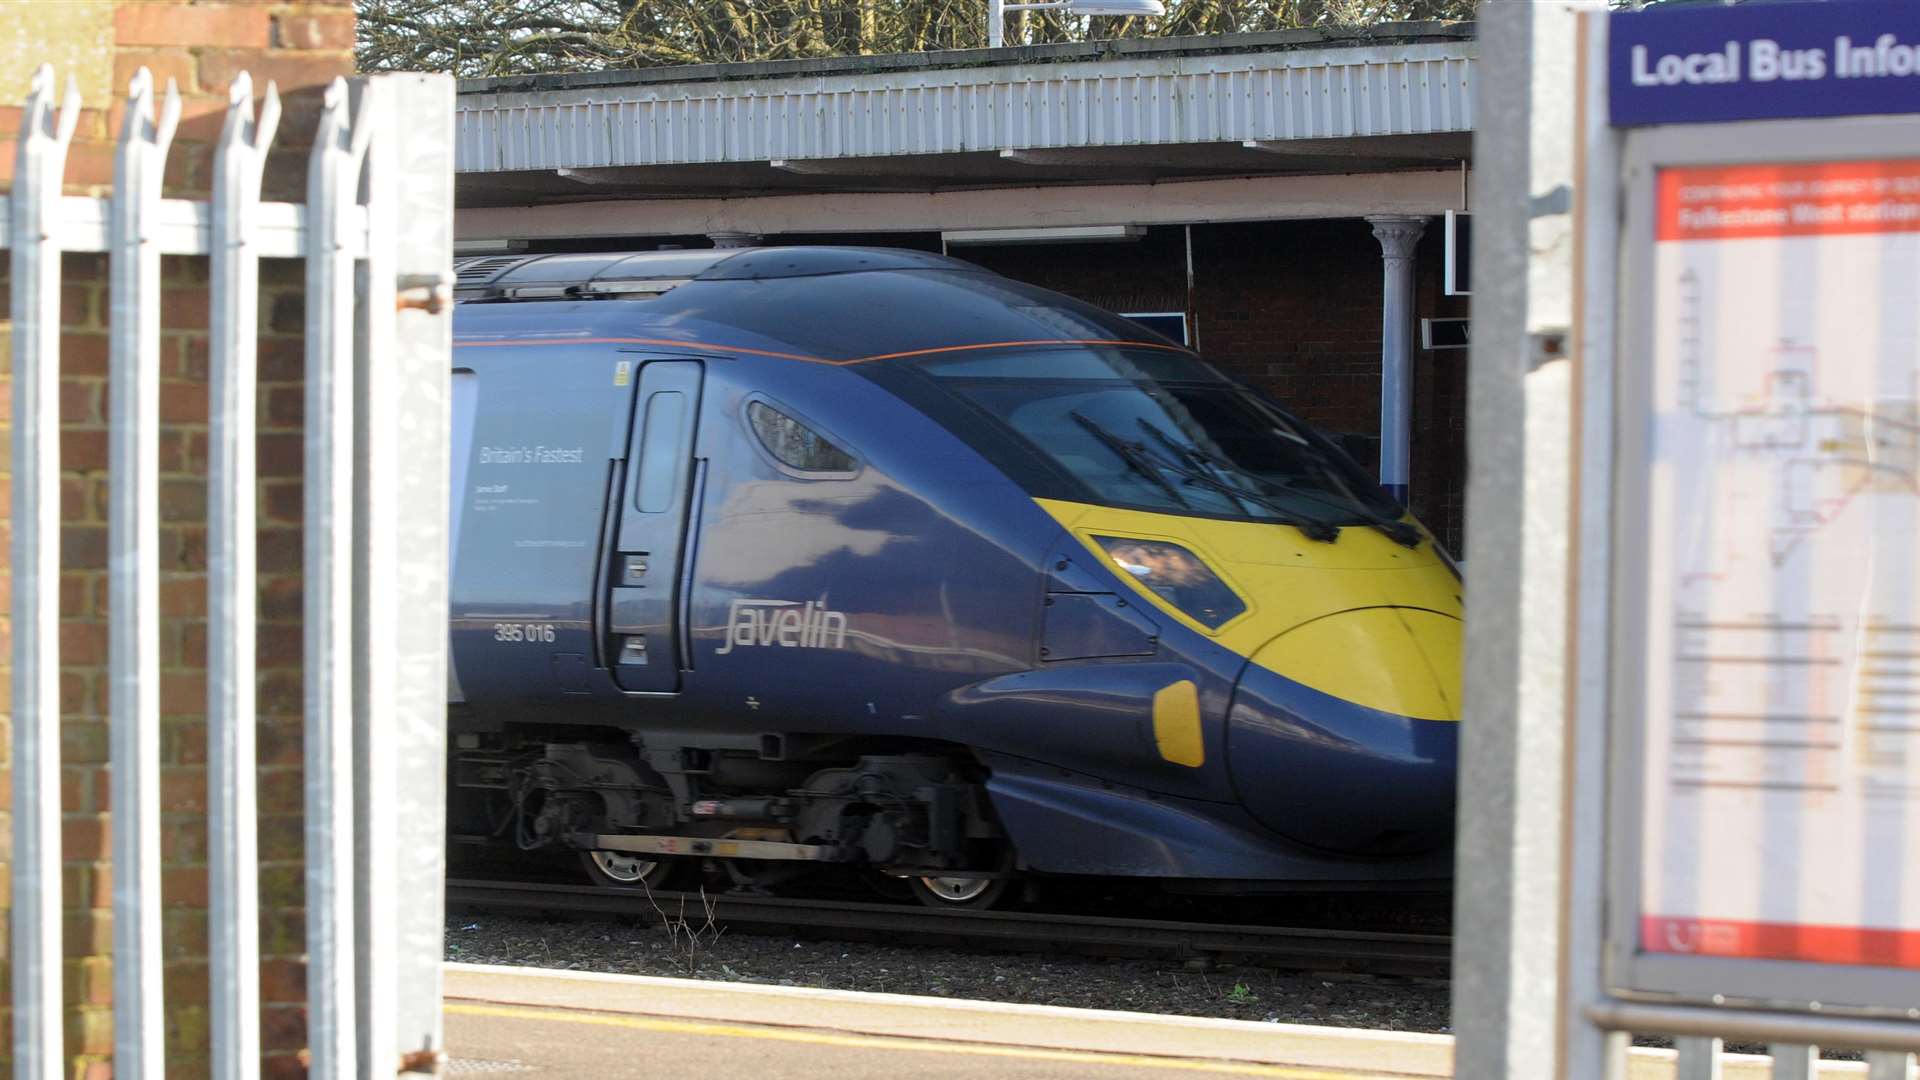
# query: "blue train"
776,558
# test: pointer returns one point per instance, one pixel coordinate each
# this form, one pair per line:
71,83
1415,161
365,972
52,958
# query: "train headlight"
1177,576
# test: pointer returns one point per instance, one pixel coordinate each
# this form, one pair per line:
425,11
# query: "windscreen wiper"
1133,454
1214,479
1193,455
1314,527
1397,531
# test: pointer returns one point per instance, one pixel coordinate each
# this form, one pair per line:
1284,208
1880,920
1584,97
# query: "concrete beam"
824,166
1073,156
1444,146
1267,198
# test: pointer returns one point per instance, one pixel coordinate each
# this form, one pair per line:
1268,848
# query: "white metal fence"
376,235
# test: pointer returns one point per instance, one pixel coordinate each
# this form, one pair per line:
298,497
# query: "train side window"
660,453
796,445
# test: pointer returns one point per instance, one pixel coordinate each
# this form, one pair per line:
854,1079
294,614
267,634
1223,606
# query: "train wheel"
625,869
958,892
965,892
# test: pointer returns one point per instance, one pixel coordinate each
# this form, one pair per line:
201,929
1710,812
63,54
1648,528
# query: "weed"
687,939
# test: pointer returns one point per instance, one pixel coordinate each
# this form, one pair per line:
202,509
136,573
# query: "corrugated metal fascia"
1341,92
1399,33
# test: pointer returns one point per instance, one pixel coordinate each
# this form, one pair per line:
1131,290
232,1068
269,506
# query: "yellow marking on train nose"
1404,661
1176,724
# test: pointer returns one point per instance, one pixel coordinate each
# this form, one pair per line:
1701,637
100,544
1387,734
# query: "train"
781,560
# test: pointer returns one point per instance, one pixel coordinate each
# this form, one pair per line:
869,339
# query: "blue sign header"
1764,62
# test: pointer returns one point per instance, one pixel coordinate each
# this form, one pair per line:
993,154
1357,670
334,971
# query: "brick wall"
1293,307
201,46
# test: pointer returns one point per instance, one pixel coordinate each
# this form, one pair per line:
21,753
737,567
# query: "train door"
650,537
544,430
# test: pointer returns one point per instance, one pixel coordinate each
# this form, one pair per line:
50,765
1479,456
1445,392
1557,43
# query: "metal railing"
1700,1033
376,235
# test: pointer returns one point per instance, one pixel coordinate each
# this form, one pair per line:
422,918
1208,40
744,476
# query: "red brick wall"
1295,308
201,46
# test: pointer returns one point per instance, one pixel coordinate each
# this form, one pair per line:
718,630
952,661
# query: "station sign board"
1764,62
1441,335
1766,633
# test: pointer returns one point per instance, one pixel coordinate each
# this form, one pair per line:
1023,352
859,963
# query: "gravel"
1154,986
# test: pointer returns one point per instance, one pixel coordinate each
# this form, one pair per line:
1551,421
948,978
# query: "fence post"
234,908
1511,986
413,383
1889,1065
133,601
1697,1058
376,577
38,170
332,181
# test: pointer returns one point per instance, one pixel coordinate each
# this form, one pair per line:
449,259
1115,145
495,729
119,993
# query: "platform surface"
551,1024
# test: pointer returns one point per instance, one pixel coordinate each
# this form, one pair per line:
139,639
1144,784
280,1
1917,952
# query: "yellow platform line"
890,1042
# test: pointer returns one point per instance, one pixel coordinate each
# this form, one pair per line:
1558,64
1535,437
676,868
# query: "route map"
1782,633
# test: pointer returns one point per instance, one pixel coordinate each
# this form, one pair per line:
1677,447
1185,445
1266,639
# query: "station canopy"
1396,99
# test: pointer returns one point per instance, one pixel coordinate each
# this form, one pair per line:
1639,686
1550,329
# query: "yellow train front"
828,555
1249,656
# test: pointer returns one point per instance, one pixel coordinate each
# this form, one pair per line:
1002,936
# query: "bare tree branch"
522,37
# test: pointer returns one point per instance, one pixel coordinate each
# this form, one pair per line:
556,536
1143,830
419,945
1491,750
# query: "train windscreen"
1160,430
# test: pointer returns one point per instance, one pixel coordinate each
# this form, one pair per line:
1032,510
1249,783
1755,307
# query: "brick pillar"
201,46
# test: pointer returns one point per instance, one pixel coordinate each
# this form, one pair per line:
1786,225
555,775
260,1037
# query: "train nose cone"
1343,732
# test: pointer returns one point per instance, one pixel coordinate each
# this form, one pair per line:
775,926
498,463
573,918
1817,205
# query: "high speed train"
777,559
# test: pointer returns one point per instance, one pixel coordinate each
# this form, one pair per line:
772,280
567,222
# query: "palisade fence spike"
69,116
265,129
332,189
234,947
39,166
134,574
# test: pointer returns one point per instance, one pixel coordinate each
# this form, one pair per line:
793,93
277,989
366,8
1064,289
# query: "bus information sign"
1781,688
1715,64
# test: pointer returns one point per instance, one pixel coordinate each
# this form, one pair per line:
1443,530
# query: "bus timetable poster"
1782,633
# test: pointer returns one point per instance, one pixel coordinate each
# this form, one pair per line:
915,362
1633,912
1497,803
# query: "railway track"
1311,948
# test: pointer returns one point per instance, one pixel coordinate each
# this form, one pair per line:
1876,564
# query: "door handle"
633,569
633,651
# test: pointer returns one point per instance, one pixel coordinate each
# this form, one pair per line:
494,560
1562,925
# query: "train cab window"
1161,430
796,445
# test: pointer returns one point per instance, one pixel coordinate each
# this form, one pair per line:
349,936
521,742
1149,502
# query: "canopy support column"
1398,237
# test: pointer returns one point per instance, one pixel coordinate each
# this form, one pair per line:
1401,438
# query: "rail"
1316,948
